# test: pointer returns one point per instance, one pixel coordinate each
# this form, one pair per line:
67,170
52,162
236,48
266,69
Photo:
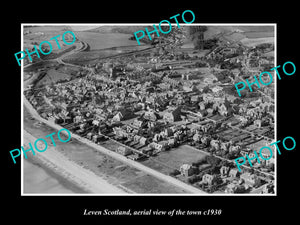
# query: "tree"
174,172
213,160
200,162
271,166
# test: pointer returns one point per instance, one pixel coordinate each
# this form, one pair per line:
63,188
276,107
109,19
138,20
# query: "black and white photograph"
158,115
167,114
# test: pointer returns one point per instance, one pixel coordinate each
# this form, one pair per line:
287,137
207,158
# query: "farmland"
41,33
256,41
98,41
103,45
148,184
94,55
59,73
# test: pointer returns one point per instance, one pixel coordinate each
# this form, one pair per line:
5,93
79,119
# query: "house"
95,138
209,179
202,113
215,144
89,135
234,173
210,111
139,123
120,132
123,150
195,98
225,146
151,115
268,189
266,153
251,179
173,115
123,114
186,170
197,137
143,141
217,89
137,138
160,146
168,132
224,170
225,108
257,123
270,161
189,87
202,105
235,188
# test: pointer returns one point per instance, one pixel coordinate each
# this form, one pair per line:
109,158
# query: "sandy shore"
84,179
40,179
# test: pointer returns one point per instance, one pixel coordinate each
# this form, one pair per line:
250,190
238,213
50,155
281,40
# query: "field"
56,74
269,28
44,33
95,55
148,184
262,34
256,41
127,29
103,45
248,35
174,158
98,41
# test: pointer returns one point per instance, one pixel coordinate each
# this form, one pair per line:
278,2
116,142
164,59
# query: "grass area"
259,34
94,55
44,33
174,158
250,42
269,28
98,41
149,184
258,145
53,76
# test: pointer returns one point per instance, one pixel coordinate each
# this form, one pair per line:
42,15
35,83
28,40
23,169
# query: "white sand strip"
78,175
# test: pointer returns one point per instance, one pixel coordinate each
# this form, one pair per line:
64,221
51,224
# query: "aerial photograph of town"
162,117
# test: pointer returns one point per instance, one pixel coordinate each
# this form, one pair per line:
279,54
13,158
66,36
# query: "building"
186,170
173,115
251,179
123,150
151,115
235,188
224,171
209,179
123,114
268,189
234,173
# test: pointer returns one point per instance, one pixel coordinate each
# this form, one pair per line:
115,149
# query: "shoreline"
68,172
52,175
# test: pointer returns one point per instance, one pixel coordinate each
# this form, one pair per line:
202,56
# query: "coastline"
70,172
48,180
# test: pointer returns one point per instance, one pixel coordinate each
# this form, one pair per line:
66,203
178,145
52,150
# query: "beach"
38,179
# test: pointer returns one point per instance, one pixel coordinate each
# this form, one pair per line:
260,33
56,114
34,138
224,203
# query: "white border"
146,24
